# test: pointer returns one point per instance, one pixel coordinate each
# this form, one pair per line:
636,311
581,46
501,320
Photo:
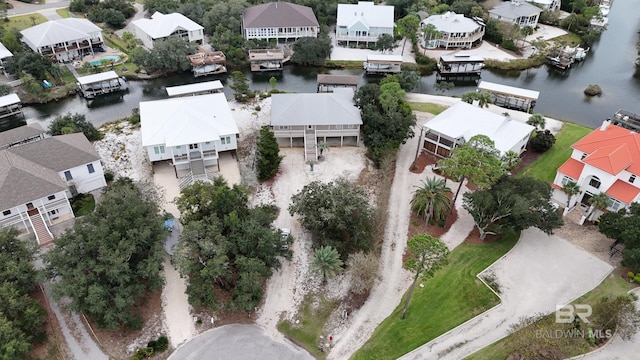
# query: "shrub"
636,278
593,90
108,176
630,275
162,343
542,141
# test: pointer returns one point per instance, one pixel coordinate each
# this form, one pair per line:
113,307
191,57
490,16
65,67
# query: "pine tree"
269,157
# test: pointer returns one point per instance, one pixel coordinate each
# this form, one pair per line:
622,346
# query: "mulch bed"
422,161
53,347
527,157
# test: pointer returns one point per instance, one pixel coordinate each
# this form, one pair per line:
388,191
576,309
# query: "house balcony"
470,38
360,38
179,159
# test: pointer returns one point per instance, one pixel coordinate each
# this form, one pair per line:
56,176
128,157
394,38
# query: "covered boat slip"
209,87
97,84
266,59
383,64
510,97
451,66
10,105
326,82
206,62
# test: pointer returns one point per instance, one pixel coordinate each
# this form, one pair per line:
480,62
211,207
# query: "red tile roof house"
606,160
38,175
280,21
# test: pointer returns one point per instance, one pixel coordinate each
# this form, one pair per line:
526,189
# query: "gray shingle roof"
338,79
18,134
278,14
22,180
336,108
59,153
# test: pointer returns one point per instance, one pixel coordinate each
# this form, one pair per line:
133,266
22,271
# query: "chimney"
605,125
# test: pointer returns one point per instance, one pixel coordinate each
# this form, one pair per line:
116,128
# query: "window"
594,182
565,180
193,146
614,204
226,140
632,178
53,212
162,149
90,168
51,197
6,212
583,156
67,175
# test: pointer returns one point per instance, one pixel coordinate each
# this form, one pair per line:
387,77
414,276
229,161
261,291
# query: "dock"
209,87
206,62
266,60
94,85
326,82
383,64
10,105
510,97
459,66
562,58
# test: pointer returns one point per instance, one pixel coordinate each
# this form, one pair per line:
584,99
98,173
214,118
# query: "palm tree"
510,160
431,199
484,99
326,260
537,120
430,32
570,188
322,146
598,202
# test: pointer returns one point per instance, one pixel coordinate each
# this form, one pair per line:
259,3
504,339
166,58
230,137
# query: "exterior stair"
43,235
198,173
310,145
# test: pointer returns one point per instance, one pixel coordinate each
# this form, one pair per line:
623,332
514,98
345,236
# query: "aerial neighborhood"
246,179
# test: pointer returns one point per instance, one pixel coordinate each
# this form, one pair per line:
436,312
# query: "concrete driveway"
239,342
538,273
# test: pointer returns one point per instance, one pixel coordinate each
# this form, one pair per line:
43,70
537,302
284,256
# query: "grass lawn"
453,296
613,285
431,108
314,314
545,167
22,22
63,12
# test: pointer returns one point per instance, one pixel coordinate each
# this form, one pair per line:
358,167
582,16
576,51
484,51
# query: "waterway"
610,64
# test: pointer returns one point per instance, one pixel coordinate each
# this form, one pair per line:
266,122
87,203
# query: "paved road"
239,342
20,8
538,273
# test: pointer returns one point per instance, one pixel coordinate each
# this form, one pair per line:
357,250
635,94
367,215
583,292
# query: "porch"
39,218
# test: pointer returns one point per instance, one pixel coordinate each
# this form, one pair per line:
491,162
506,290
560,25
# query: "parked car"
286,237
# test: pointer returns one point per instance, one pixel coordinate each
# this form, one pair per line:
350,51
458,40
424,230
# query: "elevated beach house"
462,121
303,119
456,31
282,21
64,40
161,26
607,160
39,174
363,22
189,132
517,12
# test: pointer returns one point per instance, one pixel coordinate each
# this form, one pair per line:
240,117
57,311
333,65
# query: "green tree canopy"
312,51
385,42
226,249
269,157
240,87
74,123
337,213
168,55
112,257
430,200
624,227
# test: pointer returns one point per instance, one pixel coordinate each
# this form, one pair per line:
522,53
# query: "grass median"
453,296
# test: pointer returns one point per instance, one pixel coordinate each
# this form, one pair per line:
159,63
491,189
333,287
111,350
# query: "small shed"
209,87
510,97
327,82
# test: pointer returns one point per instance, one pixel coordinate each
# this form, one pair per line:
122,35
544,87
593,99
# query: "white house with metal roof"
280,21
302,119
38,175
363,22
516,12
462,121
64,40
5,54
161,26
551,5
456,31
190,132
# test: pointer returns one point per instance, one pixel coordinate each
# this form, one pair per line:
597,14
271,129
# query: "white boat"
604,10
580,53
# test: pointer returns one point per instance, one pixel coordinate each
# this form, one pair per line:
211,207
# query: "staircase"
43,235
310,145
198,173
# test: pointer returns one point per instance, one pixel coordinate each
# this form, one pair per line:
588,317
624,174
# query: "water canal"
610,64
